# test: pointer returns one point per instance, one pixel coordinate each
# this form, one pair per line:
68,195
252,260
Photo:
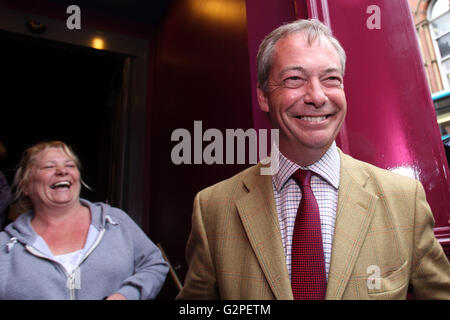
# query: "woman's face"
54,180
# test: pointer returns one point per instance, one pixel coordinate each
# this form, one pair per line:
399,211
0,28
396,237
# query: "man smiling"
325,225
304,96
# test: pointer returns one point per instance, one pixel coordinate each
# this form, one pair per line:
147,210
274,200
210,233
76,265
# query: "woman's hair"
313,30
22,176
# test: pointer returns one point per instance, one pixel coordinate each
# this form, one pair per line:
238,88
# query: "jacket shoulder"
231,186
384,179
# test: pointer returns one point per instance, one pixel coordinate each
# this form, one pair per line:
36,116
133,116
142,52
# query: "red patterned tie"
307,259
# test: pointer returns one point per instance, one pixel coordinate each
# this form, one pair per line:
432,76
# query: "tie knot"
302,177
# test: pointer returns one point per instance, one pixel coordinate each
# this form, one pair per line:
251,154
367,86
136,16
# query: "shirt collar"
327,168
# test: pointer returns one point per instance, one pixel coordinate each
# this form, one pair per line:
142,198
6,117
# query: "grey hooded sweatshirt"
119,259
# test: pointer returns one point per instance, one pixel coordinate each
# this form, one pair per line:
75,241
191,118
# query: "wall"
419,9
201,74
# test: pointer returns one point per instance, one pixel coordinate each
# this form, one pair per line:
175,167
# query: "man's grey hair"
313,30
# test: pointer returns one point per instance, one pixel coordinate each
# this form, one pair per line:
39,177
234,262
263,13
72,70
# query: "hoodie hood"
22,231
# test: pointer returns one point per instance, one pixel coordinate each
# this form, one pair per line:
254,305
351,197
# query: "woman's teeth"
61,184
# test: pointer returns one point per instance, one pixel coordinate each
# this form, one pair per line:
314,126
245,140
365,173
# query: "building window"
439,17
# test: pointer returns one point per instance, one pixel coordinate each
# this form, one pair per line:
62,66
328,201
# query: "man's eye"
293,82
333,81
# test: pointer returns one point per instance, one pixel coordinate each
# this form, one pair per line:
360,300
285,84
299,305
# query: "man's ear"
263,100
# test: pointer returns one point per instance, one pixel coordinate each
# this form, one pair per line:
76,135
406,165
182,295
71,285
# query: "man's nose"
314,94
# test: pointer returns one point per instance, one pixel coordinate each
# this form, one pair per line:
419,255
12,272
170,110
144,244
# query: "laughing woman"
69,248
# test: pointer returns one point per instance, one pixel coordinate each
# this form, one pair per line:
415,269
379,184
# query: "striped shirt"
287,194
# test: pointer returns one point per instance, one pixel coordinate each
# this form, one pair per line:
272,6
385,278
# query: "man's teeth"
313,119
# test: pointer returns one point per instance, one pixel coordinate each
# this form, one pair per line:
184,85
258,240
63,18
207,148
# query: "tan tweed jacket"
383,241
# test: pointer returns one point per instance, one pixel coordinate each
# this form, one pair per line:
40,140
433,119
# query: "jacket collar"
355,210
260,220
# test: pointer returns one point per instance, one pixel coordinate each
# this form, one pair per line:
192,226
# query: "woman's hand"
116,296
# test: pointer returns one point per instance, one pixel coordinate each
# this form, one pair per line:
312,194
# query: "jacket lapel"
353,217
260,220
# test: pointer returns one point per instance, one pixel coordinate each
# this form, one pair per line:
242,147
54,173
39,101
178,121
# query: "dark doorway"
56,91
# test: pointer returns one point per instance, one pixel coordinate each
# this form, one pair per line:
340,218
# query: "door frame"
129,189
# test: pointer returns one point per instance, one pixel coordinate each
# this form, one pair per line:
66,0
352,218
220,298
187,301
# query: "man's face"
305,97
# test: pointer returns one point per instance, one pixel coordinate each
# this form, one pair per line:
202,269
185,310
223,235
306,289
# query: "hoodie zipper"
68,276
71,278
94,245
